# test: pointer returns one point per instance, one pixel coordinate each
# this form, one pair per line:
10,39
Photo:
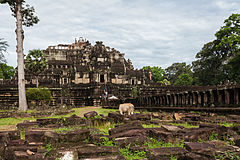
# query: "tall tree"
36,63
218,60
24,15
3,49
229,35
176,69
208,68
157,73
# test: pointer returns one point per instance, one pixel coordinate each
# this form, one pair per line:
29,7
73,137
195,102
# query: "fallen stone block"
90,114
165,153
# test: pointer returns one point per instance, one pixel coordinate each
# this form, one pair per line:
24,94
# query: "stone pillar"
175,100
199,103
194,99
227,97
220,100
236,97
205,99
211,98
186,99
191,99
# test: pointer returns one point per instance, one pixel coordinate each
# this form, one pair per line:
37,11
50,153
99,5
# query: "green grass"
131,155
151,126
105,111
186,125
154,143
67,129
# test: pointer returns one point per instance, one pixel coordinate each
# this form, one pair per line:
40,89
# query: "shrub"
39,95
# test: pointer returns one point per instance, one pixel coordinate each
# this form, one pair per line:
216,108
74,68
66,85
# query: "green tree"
184,80
176,69
39,95
36,63
3,49
6,72
24,15
208,68
157,73
216,61
229,35
233,69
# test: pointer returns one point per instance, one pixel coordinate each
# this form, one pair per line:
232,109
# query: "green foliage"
186,125
151,126
233,68
219,60
184,80
157,73
36,62
173,158
106,142
229,35
154,143
177,69
134,92
6,72
49,148
227,155
131,155
213,136
39,95
28,12
165,82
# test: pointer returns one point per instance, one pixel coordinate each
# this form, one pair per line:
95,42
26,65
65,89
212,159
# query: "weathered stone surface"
117,157
90,114
194,146
116,117
20,155
170,128
87,151
136,140
194,134
129,133
75,136
45,122
192,156
160,133
27,125
37,135
126,127
165,153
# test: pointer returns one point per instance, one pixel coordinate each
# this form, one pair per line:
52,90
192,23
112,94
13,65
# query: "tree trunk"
37,81
20,58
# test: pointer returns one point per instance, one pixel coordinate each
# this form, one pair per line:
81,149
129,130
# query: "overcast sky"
149,32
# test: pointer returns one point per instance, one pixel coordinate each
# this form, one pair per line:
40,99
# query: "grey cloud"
149,32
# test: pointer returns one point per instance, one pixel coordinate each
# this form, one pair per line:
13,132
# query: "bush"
39,95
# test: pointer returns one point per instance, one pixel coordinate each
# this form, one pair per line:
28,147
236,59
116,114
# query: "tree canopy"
176,69
218,60
36,62
157,73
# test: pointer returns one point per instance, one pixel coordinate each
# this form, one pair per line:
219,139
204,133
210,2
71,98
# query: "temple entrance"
102,78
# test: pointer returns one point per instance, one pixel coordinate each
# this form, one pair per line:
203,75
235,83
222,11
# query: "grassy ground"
10,123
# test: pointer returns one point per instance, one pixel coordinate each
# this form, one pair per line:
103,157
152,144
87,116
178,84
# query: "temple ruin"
78,74
82,63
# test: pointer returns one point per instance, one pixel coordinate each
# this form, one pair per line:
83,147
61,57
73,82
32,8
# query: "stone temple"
78,74
82,63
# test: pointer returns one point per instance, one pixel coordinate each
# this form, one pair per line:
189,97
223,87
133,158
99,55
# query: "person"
105,94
